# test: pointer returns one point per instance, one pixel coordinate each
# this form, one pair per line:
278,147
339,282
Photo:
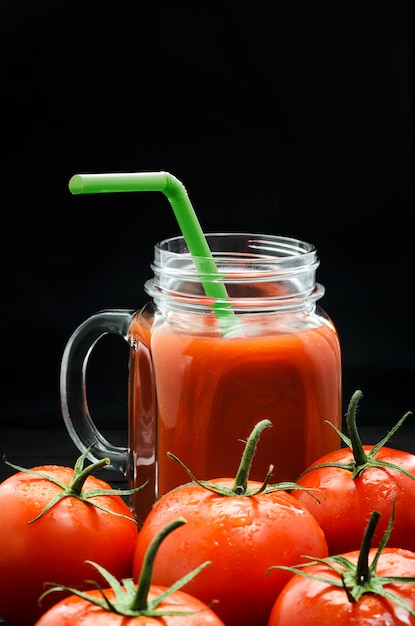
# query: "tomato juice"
199,395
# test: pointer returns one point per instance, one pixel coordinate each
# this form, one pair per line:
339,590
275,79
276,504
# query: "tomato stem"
240,485
361,460
75,487
359,454
80,476
140,601
363,572
241,481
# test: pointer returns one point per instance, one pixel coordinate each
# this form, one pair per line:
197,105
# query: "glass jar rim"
268,243
244,251
258,272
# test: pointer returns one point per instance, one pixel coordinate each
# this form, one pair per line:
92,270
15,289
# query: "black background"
281,117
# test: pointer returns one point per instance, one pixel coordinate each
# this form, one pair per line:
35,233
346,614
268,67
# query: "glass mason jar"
204,371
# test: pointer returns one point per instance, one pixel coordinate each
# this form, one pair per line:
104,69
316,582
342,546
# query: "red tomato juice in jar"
210,391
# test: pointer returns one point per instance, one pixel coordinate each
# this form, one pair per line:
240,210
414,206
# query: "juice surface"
210,391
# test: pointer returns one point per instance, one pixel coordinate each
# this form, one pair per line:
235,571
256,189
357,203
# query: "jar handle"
74,406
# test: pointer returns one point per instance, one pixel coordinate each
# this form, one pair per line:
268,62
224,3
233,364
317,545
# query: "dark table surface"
29,447
38,446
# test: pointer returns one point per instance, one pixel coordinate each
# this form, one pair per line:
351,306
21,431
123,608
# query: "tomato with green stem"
360,588
356,480
52,519
126,604
243,527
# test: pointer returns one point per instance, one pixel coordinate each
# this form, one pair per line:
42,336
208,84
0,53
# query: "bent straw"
186,217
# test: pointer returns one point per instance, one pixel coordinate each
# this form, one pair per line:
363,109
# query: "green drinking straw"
186,217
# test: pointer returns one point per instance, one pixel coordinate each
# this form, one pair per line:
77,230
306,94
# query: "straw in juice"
186,217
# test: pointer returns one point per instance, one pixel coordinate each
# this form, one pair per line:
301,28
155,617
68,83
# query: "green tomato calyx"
75,488
240,486
360,578
362,460
131,600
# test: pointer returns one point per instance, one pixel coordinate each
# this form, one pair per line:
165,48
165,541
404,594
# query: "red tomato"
308,601
54,547
241,535
346,502
356,480
74,611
